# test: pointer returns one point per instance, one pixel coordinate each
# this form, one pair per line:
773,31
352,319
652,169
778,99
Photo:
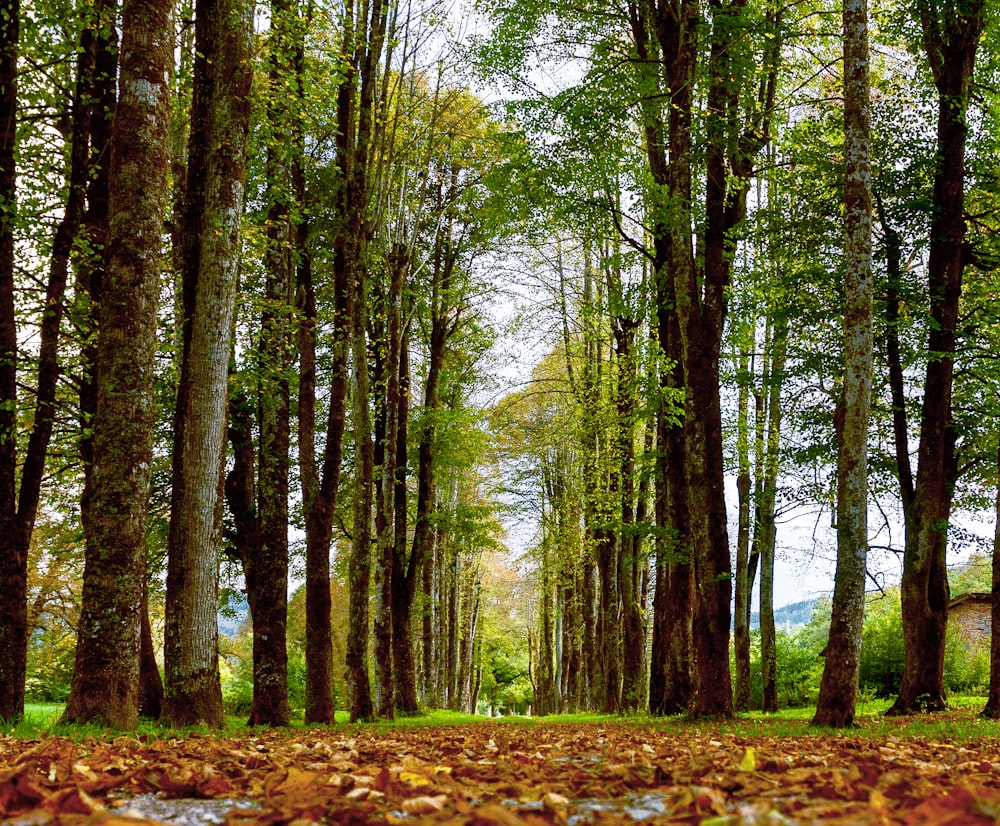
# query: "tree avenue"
262,299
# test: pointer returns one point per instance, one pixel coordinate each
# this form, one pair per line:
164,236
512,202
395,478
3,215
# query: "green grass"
960,723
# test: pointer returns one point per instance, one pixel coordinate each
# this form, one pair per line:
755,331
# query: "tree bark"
992,707
672,684
320,489
364,29
633,691
359,573
403,593
766,522
13,561
217,159
19,507
386,505
951,34
839,684
106,673
270,598
742,584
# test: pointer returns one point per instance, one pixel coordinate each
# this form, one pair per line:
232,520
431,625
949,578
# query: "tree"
320,482
692,289
265,563
12,558
992,708
220,112
839,685
21,504
359,104
106,673
951,33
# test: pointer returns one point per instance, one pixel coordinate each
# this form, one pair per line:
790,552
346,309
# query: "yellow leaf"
412,779
749,761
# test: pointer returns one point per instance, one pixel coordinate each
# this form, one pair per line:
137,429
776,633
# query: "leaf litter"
499,774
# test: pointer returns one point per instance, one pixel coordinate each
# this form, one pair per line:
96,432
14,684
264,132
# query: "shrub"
799,668
882,655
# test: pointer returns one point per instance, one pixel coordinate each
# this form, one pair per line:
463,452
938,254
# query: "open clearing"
509,773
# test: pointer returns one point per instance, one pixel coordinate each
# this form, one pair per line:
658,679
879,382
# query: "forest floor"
514,773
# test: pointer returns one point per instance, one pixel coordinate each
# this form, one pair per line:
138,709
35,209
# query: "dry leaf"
425,805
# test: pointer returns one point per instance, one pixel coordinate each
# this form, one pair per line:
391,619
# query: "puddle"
583,810
649,806
182,811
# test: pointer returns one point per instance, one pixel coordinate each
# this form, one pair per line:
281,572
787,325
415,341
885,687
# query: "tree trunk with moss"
217,160
13,560
839,684
951,33
105,685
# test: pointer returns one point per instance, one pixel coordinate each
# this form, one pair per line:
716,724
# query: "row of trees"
697,160
266,250
243,280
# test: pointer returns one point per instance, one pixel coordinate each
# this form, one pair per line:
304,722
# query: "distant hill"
788,617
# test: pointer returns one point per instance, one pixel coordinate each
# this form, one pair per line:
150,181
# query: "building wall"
974,622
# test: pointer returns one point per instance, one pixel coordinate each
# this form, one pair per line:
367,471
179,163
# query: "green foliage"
799,669
975,575
800,664
237,674
882,654
966,668
506,687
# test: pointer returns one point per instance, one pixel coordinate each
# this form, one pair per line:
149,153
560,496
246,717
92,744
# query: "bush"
799,668
51,655
882,655
237,672
966,671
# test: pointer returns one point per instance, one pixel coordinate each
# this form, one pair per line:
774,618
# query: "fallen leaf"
424,805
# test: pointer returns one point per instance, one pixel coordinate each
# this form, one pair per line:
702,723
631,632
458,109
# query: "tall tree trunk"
766,522
992,707
269,602
106,673
951,34
13,561
364,30
668,35
220,114
359,573
19,507
428,637
404,592
633,646
544,693
319,489
839,684
407,571
741,619
671,683
387,508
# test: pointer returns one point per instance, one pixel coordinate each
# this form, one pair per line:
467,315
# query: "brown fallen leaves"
496,774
